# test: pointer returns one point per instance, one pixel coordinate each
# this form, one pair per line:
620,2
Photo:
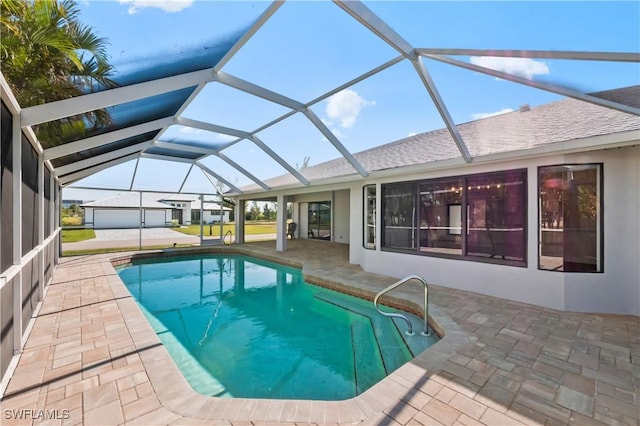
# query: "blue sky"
308,48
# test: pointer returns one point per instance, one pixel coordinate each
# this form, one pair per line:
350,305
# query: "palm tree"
47,54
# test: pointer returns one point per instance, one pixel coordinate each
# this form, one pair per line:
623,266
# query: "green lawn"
75,235
250,228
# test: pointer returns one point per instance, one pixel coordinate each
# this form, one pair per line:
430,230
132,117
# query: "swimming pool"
243,327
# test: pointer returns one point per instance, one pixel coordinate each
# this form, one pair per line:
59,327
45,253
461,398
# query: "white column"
140,227
221,220
378,216
281,224
239,217
201,218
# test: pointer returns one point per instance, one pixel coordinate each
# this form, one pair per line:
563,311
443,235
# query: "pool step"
368,364
392,347
416,343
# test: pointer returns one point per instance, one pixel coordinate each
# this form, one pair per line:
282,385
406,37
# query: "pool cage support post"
221,219
281,223
405,280
201,219
140,228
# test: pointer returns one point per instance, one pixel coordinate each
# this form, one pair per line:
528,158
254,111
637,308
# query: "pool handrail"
404,280
230,234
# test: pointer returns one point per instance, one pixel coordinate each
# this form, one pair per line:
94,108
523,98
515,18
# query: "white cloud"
166,5
186,129
522,67
479,115
345,106
411,134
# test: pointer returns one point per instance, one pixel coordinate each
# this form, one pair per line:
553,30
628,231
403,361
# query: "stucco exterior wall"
616,290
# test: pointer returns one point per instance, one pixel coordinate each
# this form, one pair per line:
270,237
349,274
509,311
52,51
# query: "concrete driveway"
133,234
123,238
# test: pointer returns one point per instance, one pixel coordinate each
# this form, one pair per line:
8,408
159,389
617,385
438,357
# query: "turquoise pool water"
243,327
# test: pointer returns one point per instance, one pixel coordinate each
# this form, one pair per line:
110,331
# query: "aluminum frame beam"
335,142
266,15
242,170
183,107
421,69
102,158
280,160
105,138
356,80
166,158
135,172
560,90
370,20
72,177
206,170
212,127
185,178
80,104
541,54
259,91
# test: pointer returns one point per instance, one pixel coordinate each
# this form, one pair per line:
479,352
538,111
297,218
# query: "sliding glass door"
320,220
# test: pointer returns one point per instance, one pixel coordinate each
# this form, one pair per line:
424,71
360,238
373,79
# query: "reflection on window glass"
477,216
320,220
399,216
441,217
496,208
570,218
370,216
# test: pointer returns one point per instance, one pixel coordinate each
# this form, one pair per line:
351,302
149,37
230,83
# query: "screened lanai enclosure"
241,99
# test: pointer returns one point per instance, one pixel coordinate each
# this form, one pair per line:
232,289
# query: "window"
496,206
399,221
474,217
320,220
570,218
441,216
370,216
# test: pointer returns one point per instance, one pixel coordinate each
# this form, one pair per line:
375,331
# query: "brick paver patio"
92,358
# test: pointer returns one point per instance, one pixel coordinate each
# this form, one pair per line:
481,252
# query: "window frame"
463,256
365,216
599,228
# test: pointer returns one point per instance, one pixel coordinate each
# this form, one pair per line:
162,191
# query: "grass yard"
250,228
75,235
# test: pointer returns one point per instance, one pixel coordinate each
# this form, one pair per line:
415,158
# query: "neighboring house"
123,211
545,213
68,203
181,204
210,212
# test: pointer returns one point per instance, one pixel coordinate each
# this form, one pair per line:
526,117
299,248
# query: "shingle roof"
129,200
195,205
557,122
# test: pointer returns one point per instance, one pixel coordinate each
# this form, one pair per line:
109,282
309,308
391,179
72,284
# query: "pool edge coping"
175,393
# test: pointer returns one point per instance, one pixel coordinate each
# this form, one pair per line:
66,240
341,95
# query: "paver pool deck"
92,358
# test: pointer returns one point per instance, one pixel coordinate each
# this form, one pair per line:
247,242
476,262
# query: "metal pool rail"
405,280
